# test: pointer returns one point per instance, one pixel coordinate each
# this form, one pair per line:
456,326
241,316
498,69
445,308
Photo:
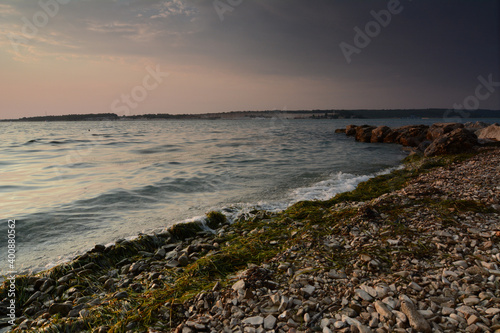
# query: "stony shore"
434,140
413,251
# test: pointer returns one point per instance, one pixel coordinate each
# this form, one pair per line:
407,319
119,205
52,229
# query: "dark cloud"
429,46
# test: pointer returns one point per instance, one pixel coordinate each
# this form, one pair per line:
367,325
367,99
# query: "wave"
338,183
55,142
324,190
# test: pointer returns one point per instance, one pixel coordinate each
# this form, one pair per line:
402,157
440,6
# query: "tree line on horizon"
332,114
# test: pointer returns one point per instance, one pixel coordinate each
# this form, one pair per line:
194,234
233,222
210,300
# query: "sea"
72,185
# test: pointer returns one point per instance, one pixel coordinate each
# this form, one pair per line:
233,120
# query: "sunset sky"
187,56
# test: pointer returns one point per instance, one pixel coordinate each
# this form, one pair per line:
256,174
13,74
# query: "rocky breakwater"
434,140
417,250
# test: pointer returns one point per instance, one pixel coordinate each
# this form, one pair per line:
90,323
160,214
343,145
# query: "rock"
340,130
47,284
446,311
391,136
427,314
466,310
160,253
417,321
60,308
364,295
383,291
476,270
270,322
349,312
471,301
172,263
373,322
491,132
370,290
350,130
364,133
324,322
65,278
257,320
400,316
492,311
478,125
438,130
137,267
33,297
121,295
383,310
146,254
472,320
109,284
455,142
183,260
411,135
75,312
356,323
171,255
283,304
99,248
339,324
413,285
336,275
239,285
379,133
283,266
309,290
473,329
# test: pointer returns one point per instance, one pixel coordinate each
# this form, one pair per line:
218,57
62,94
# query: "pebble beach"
413,251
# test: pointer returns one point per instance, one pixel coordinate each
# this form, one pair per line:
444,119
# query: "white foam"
326,189
338,183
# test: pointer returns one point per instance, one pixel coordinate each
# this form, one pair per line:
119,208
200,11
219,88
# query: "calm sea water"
71,185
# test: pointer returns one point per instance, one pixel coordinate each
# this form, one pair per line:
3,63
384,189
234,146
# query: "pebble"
257,320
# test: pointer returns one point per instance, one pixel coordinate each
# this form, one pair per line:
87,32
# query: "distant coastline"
292,114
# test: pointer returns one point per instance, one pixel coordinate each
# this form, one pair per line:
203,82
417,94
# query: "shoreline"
233,212
204,262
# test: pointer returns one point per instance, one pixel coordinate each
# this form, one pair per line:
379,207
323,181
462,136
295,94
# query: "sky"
196,56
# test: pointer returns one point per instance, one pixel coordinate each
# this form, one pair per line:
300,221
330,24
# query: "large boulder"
438,130
391,136
491,132
379,133
412,135
458,141
350,130
364,133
